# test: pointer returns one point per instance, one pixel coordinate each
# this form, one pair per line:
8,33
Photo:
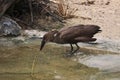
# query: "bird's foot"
71,53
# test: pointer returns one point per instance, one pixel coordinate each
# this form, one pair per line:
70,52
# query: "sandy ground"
106,16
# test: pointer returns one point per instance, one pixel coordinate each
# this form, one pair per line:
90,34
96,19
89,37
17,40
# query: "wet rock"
34,33
9,27
103,44
27,36
106,62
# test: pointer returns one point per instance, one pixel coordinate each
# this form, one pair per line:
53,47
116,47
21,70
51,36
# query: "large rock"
9,27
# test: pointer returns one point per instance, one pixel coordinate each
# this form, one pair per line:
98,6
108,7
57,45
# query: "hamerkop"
71,35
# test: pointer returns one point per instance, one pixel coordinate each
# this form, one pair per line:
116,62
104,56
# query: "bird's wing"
78,31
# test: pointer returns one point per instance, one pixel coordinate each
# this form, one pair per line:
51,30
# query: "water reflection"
106,62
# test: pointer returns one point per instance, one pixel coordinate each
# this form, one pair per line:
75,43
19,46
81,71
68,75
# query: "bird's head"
48,37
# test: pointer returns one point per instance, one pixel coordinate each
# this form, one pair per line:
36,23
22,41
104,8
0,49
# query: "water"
105,62
25,62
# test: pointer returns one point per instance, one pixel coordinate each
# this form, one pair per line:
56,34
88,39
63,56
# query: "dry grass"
64,9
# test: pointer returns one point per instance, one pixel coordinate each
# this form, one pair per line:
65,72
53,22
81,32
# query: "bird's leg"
69,54
76,49
73,51
71,48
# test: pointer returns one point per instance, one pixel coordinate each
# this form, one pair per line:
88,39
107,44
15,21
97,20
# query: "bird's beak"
42,44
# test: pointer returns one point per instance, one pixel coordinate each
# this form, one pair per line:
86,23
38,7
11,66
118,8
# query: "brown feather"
78,31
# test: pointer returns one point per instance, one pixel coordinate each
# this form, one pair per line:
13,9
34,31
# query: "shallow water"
26,62
106,62
108,65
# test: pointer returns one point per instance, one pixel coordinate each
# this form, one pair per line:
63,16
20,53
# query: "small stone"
57,77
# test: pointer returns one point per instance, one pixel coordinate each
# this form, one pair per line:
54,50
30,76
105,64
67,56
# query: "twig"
53,15
33,66
31,11
5,5
18,20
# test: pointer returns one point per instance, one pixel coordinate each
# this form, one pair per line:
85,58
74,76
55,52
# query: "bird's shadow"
68,54
94,43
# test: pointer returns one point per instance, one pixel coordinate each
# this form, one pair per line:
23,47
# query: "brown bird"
71,35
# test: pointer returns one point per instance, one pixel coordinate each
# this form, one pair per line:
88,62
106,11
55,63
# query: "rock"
58,77
9,27
33,33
